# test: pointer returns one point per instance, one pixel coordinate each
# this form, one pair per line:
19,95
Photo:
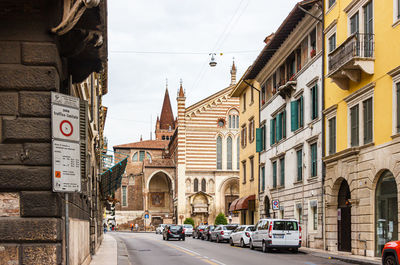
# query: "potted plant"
263,102
313,52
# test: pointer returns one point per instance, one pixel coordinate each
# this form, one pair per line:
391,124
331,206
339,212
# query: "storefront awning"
232,208
243,203
111,179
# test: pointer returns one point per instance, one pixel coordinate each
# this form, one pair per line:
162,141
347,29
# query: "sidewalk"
107,252
342,256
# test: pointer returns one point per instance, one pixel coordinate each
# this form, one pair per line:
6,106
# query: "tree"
221,219
189,221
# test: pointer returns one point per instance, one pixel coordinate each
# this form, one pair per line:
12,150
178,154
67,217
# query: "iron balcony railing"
358,45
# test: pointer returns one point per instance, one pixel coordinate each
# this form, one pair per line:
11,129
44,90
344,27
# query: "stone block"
10,52
10,154
35,104
38,154
41,254
26,129
9,204
40,204
30,229
8,103
9,254
21,77
39,53
25,178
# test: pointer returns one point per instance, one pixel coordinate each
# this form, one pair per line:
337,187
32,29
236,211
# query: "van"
276,233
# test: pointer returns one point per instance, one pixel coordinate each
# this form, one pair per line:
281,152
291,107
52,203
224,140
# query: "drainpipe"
91,97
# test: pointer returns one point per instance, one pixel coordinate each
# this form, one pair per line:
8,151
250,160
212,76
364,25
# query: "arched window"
229,152
148,156
203,185
134,157
196,185
219,152
163,137
237,153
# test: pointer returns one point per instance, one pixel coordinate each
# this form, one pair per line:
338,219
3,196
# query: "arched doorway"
267,207
231,193
159,196
200,208
344,218
386,218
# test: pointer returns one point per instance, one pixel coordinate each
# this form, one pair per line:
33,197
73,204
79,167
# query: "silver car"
188,229
222,233
241,236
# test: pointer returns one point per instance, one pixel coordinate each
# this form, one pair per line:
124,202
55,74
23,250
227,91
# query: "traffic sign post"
275,204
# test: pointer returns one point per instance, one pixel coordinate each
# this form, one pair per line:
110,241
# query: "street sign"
65,143
146,216
275,204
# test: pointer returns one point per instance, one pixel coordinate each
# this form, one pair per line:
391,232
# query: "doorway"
344,218
267,207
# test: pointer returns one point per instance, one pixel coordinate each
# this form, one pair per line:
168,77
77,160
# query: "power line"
179,53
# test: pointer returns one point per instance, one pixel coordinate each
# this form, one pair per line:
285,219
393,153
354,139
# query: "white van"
276,233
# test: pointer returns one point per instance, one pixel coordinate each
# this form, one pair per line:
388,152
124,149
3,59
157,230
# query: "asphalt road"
148,249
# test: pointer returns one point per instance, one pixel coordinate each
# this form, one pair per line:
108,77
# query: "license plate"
279,236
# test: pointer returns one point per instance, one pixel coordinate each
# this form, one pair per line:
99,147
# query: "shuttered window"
281,126
296,114
273,131
282,168
274,174
229,152
263,130
196,185
259,140
237,153
398,106
203,185
330,3
124,201
332,135
354,130
244,171
83,131
314,102
262,174
314,160
219,152
251,168
299,154
367,111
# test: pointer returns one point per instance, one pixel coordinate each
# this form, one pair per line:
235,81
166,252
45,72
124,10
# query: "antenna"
151,125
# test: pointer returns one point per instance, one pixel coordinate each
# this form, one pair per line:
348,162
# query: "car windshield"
188,226
175,227
230,227
202,226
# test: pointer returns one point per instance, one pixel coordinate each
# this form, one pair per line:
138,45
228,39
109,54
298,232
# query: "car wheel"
231,242
208,238
264,247
242,245
389,260
295,250
251,245
167,238
183,239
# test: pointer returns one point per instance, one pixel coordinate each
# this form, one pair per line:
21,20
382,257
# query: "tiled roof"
148,144
167,117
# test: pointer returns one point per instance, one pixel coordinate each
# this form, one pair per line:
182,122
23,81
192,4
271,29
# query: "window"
354,24
134,157
398,106
354,131
243,136
244,171
274,174
141,155
330,3
313,42
260,139
203,185
367,111
278,127
124,200
251,130
252,95
332,135
299,155
332,42
233,121
251,168
314,215
314,160
263,93
148,156
282,167
314,102
221,123
398,9
296,112
272,131
196,185
219,152
262,176
230,121
299,213
368,30
229,152
244,102
163,137
237,153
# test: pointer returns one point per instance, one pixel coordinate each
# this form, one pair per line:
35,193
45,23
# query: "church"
191,169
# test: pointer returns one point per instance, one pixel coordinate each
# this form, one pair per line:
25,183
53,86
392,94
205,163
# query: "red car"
391,253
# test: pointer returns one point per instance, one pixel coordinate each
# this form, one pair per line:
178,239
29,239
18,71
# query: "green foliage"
221,219
189,221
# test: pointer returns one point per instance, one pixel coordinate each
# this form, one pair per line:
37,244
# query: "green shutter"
316,101
263,136
354,125
299,165
367,107
279,127
282,163
274,174
284,124
258,140
271,132
301,112
294,115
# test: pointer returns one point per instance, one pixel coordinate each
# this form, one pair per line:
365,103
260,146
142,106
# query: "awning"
111,179
233,205
243,203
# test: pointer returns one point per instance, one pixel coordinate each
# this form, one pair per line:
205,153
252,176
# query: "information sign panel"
65,123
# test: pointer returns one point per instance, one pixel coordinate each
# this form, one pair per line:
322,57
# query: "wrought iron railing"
357,45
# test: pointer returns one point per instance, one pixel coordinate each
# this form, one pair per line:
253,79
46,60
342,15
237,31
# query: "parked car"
197,232
276,233
188,229
391,253
206,234
241,235
222,233
160,229
174,231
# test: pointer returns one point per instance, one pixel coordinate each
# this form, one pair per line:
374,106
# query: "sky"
150,41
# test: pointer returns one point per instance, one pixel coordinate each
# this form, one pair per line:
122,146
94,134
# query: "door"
255,234
263,231
292,233
368,30
278,232
344,218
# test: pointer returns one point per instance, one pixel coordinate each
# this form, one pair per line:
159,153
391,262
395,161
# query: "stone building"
42,50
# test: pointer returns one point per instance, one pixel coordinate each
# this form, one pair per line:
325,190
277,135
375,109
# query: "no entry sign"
65,123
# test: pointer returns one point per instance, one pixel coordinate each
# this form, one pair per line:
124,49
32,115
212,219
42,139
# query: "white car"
241,236
188,229
276,233
160,229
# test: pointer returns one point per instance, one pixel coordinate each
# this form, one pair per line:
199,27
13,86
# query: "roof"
148,144
284,30
159,163
167,117
209,98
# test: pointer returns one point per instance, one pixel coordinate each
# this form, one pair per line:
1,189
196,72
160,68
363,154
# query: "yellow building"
247,204
362,119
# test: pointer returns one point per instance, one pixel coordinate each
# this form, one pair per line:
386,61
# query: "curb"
353,260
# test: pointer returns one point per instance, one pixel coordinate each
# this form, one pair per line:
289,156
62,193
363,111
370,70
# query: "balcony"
354,55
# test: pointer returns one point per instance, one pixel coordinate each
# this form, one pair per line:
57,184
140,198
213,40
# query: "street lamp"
212,62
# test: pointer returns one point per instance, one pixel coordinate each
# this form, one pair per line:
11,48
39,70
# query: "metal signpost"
66,161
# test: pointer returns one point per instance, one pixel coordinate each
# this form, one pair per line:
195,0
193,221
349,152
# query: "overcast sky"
151,40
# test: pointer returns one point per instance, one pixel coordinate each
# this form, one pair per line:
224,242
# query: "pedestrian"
131,227
137,227
105,228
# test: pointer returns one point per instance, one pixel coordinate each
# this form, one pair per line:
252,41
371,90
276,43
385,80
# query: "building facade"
362,125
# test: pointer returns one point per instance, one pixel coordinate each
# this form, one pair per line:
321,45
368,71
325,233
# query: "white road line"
188,250
216,261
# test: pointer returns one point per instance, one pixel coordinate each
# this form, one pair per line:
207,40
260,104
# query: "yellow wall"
387,57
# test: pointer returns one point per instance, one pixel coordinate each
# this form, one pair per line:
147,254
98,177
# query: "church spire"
167,117
233,73
181,93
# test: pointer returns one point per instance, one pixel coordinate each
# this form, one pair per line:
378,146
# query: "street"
149,248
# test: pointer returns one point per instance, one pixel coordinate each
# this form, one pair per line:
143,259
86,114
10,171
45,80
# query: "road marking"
177,248
218,262
209,261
